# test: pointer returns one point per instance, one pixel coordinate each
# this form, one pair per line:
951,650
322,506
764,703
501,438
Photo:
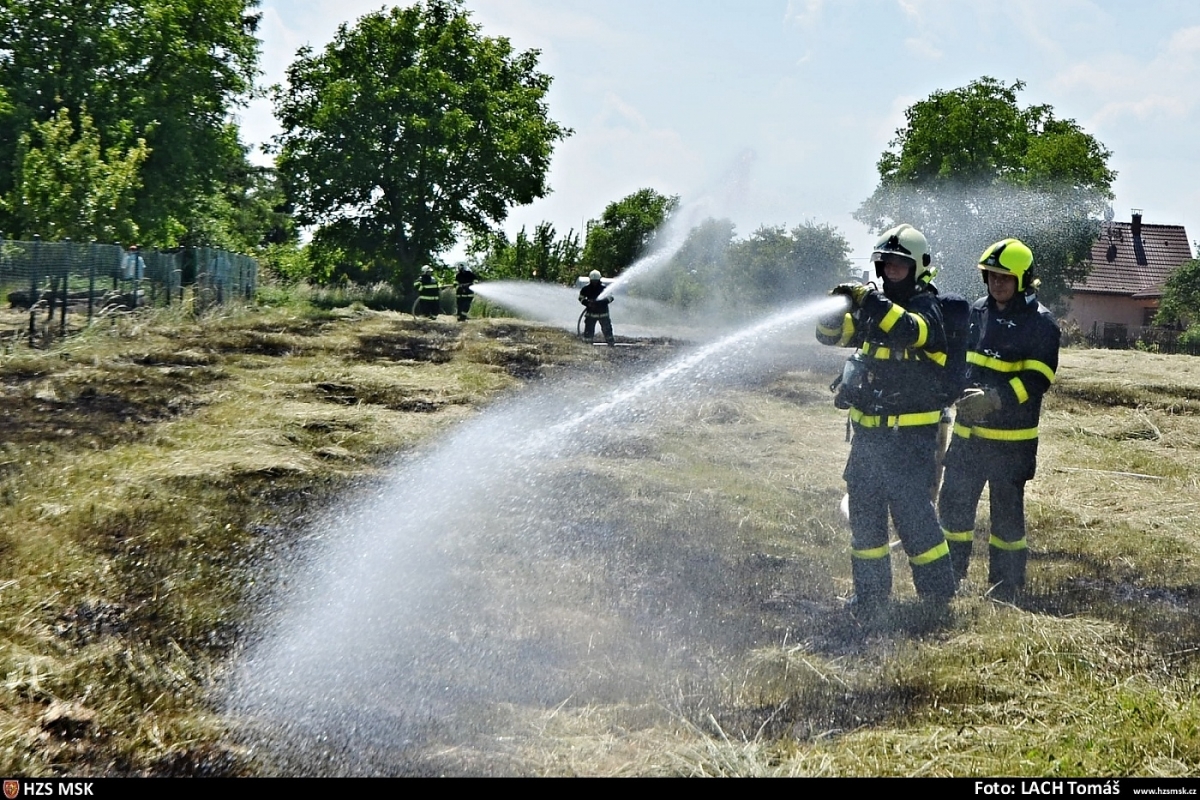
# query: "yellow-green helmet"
1009,257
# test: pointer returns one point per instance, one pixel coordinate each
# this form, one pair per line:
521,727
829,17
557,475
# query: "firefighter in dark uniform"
429,293
597,309
1012,358
890,387
463,293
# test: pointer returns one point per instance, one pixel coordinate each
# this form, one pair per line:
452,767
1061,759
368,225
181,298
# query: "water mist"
431,598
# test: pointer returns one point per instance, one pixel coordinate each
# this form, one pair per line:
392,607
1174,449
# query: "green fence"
75,278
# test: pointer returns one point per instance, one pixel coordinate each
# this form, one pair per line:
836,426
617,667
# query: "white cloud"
1164,87
804,13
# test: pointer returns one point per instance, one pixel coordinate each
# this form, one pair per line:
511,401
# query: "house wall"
1087,310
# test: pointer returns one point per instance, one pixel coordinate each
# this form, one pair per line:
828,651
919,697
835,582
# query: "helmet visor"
881,257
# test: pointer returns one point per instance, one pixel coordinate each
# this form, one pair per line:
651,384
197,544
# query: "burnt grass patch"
426,342
258,343
1171,399
394,398
100,407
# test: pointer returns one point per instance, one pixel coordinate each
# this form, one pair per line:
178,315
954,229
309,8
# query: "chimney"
1136,227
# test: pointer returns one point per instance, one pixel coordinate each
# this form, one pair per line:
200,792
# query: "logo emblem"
12,789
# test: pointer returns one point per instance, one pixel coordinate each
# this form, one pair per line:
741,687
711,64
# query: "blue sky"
776,111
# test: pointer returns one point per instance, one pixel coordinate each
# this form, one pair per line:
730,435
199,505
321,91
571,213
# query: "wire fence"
78,281
1116,336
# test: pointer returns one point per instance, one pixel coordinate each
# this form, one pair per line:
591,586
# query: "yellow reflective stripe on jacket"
881,353
895,314
1000,544
929,556
959,536
997,434
844,333
999,365
895,420
922,330
872,554
1018,387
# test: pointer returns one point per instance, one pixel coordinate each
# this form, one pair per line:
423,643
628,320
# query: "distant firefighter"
463,293
429,294
1012,358
597,309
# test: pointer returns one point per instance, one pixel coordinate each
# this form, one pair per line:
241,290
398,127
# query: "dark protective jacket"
463,280
589,295
1014,351
904,350
428,287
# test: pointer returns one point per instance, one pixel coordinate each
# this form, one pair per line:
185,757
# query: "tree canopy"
771,267
166,73
1180,305
625,230
544,256
971,167
67,188
410,128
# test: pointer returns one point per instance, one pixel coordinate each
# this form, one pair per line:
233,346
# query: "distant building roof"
1135,259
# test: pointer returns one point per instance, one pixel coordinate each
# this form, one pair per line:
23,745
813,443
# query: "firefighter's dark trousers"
463,302
1005,467
889,473
429,306
589,326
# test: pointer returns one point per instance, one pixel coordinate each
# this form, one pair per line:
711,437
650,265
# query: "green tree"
542,257
410,128
774,266
1180,305
972,167
625,230
67,187
166,71
695,275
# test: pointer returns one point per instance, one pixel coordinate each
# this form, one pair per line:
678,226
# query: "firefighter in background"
597,309
429,294
890,387
1012,357
463,293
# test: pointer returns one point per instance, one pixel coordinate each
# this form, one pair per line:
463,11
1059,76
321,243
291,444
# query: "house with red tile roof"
1130,263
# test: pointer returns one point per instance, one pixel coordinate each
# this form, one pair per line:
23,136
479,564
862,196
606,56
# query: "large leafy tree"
971,167
67,187
625,230
166,71
408,129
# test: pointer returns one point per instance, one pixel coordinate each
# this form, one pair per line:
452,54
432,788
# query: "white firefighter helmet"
426,270
594,275
906,245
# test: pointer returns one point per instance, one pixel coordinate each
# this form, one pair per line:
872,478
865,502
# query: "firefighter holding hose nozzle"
596,309
890,388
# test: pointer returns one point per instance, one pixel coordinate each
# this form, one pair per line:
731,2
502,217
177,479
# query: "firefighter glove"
857,292
975,404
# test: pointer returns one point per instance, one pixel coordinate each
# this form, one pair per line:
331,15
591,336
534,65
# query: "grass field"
155,473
